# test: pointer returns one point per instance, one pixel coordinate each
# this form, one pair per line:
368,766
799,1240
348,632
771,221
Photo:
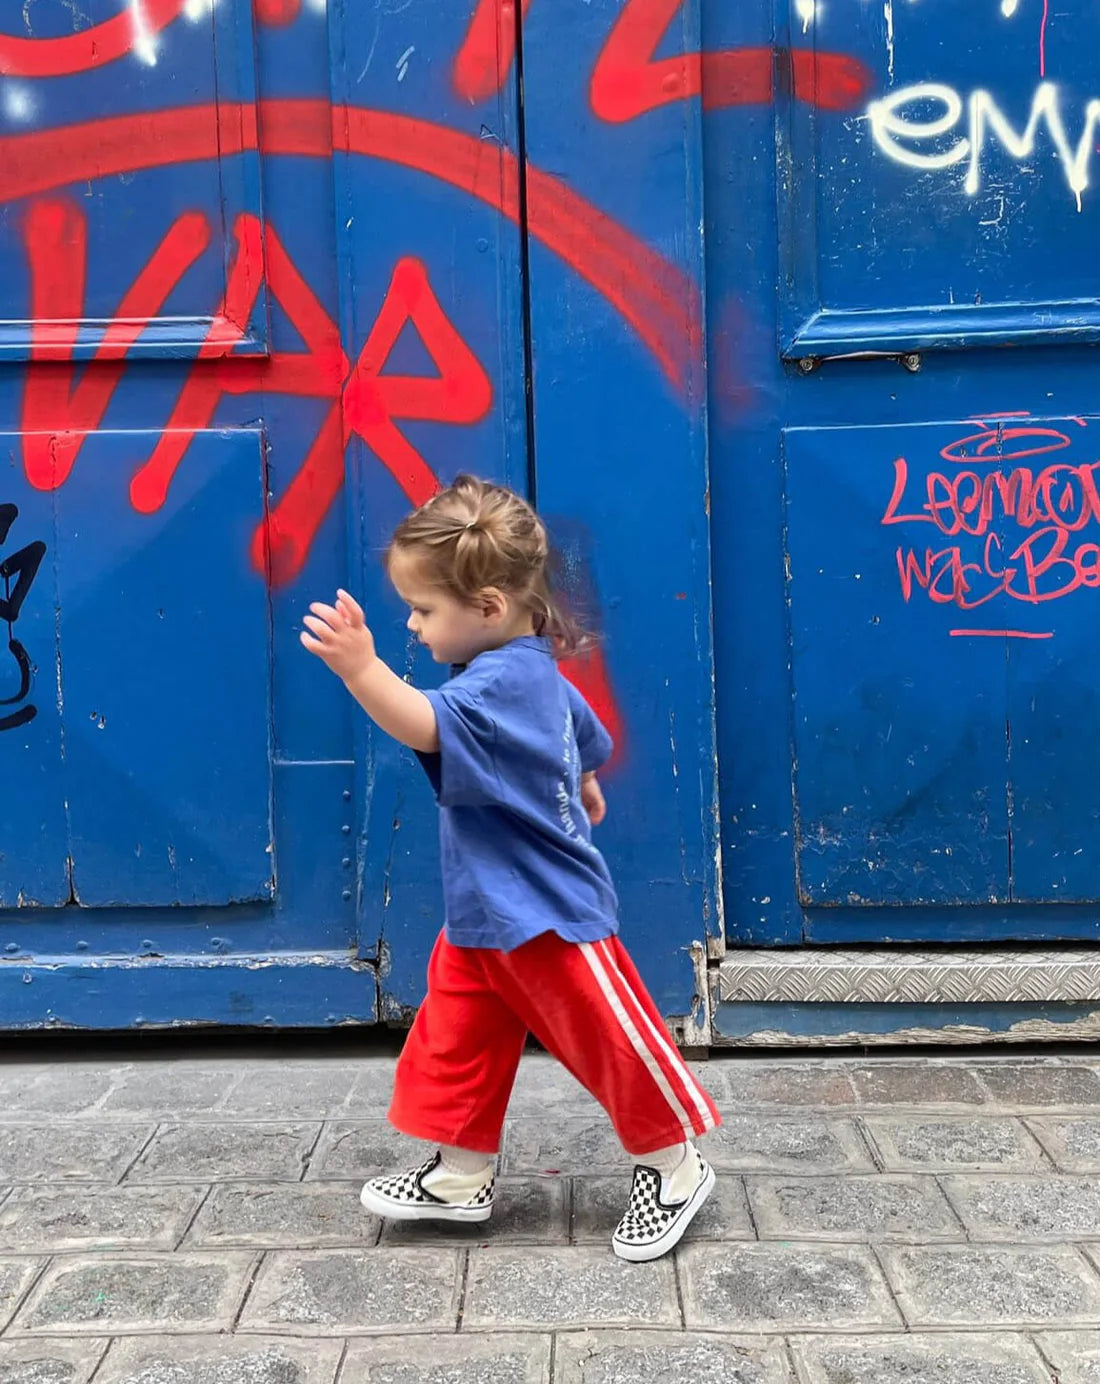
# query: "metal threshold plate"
815,975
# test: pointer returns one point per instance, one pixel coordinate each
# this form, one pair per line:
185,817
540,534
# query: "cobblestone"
345,1292
860,1207
195,1221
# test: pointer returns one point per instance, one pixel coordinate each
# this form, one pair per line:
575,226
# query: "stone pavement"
191,1217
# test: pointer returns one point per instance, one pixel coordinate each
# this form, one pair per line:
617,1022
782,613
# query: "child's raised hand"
339,636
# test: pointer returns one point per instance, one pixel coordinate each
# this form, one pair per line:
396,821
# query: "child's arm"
340,637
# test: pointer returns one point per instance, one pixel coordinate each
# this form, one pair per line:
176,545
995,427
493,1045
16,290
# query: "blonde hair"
475,535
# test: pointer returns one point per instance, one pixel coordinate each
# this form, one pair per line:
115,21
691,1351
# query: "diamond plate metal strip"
808,975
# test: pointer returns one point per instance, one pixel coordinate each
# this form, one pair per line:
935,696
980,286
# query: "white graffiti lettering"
899,134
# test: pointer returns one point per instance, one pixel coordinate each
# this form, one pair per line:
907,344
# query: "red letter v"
56,417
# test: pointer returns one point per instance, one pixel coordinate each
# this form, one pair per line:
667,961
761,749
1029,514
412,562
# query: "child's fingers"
308,642
352,606
320,628
327,613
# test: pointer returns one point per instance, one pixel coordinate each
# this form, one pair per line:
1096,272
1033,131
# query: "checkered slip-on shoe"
650,1227
403,1197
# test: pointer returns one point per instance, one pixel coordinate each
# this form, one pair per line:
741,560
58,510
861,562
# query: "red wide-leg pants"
584,1002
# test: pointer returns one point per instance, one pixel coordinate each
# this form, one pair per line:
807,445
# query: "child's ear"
494,606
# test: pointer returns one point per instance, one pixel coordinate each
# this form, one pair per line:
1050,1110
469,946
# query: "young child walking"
529,943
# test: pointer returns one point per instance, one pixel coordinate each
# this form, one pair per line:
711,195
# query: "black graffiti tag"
17,574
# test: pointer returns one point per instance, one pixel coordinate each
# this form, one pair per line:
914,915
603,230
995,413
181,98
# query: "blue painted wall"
780,313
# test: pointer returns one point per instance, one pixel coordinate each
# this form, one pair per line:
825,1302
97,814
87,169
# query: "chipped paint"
855,1025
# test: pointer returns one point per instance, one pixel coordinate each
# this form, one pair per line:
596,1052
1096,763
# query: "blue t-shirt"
517,852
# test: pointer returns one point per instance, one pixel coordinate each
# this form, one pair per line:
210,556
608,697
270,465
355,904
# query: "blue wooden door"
901,304
547,318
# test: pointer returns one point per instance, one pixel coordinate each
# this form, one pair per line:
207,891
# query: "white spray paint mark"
17,101
318,6
402,63
806,12
888,12
890,127
194,10
1008,8
142,47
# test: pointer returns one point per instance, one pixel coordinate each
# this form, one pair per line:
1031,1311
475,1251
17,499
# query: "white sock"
666,1161
463,1162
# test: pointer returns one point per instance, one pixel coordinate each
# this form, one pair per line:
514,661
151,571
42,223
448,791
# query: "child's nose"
411,622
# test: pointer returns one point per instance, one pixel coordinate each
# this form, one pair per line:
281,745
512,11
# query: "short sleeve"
593,741
464,772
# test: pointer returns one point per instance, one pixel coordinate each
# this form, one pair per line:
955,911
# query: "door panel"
151,743
69,237
619,412
431,314
928,219
912,505
901,772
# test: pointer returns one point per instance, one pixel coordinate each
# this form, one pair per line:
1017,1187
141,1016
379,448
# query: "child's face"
453,631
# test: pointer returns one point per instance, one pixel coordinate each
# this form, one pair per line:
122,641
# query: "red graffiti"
58,418
112,39
1003,634
56,415
627,81
588,673
88,48
365,401
483,62
660,302
277,13
1045,507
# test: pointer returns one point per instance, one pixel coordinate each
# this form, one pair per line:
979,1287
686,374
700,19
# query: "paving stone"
1021,1085
351,1292
225,1152
17,1079
769,1288
540,1289
16,1276
465,1359
54,1361
59,1089
363,1148
599,1202
575,1144
1074,1354
925,1358
659,1357
900,1083
543,1087
55,1219
89,1152
809,1144
1074,1145
290,1215
180,1292
1023,1208
160,1091
880,1206
527,1209
291,1093
744,1082
951,1145
964,1285
221,1360
371,1090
